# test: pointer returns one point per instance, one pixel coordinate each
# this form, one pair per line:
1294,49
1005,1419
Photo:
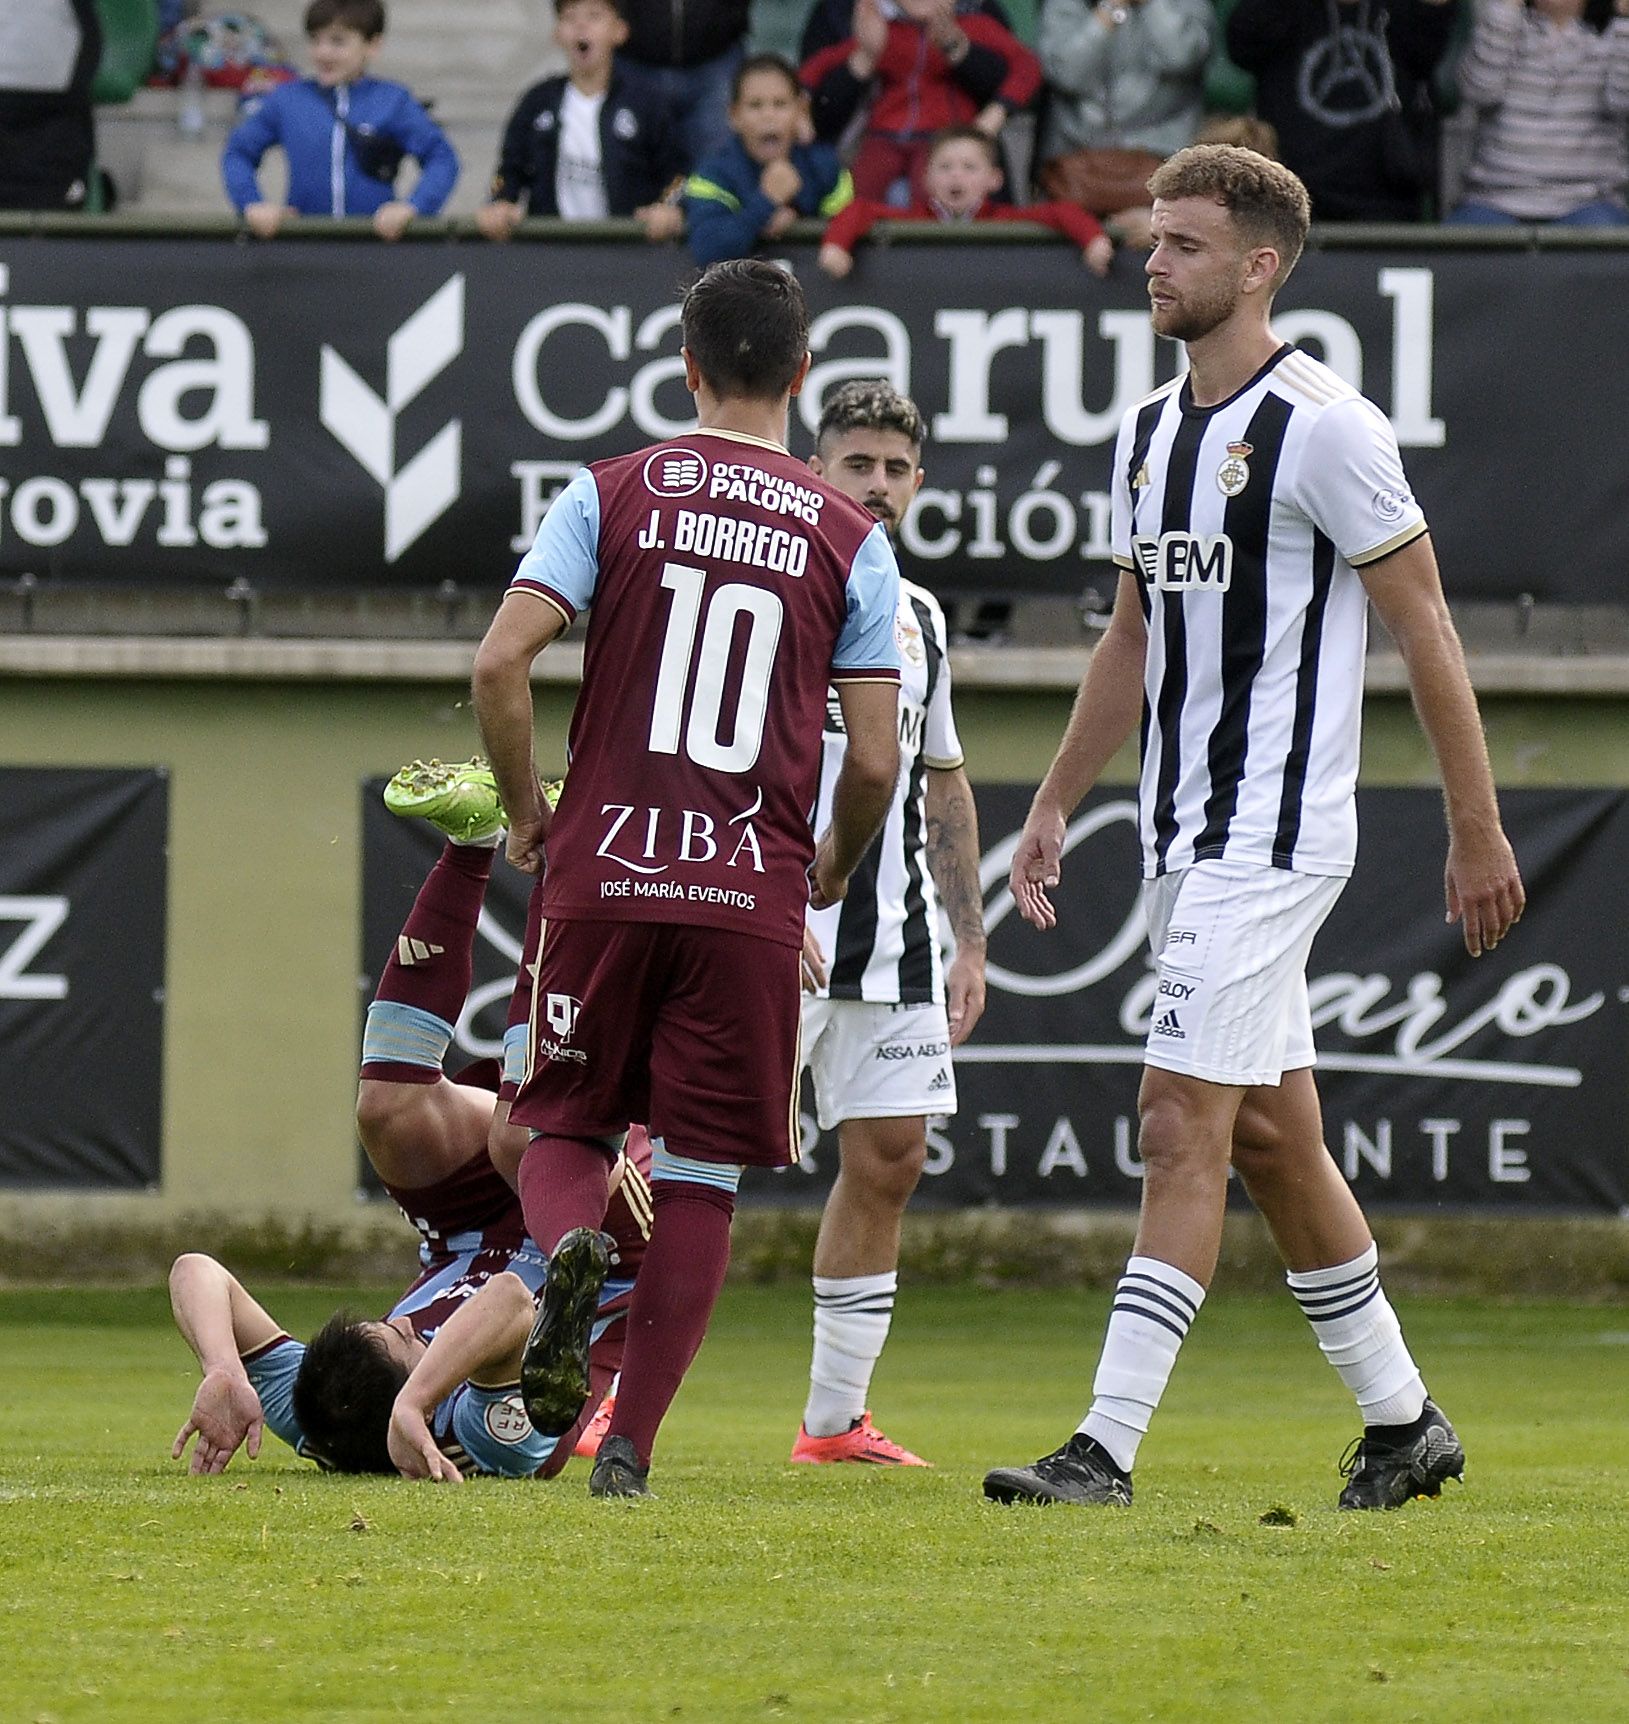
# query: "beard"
1193,319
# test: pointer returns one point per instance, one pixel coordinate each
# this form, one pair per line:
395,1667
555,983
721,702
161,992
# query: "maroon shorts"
693,1031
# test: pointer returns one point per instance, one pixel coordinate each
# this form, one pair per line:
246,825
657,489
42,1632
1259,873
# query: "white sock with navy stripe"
1154,1306
852,1314
1360,1336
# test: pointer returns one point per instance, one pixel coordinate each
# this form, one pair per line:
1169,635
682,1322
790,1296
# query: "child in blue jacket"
761,182
344,134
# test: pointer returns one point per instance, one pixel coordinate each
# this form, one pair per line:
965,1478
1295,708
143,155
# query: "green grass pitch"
754,1590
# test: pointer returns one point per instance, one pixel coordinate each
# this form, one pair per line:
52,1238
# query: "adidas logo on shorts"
939,1081
1168,1026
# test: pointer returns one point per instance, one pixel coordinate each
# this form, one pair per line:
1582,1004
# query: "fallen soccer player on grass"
429,1388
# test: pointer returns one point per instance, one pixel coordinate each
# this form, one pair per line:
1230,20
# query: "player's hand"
498,219
526,835
813,965
826,885
412,1447
1099,254
835,261
964,994
660,222
390,221
226,1416
1037,864
780,182
1483,887
263,220
779,222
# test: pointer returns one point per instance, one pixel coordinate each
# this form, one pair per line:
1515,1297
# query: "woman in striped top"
1551,82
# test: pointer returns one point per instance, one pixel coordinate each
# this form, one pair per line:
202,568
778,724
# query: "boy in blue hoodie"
344,133
765,178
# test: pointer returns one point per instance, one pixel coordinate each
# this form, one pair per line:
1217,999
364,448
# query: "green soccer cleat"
461,800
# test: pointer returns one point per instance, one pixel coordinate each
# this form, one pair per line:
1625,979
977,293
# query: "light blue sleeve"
491,1427
564,561
272,1373
868,646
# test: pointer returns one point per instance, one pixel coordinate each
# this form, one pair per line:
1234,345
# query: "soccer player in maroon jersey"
729,586
427,1137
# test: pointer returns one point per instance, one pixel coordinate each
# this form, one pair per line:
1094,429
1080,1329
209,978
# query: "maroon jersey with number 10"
729,586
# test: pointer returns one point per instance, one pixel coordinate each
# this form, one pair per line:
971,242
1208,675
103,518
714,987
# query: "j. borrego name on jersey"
727,539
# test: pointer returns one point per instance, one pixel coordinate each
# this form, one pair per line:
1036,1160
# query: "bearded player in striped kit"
1259,506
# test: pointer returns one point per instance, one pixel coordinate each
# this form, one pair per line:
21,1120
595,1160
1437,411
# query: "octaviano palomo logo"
419,492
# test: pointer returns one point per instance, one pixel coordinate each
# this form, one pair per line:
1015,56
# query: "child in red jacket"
926,64
962,174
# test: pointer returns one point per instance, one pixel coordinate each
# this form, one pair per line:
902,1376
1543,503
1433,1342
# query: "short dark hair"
620,7
869,404
1268,203
343,1393
966,135
747,328
366,17
764,63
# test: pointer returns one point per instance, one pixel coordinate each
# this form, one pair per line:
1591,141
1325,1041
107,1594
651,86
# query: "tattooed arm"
953,857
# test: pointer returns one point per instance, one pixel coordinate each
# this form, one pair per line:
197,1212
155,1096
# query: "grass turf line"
752,1589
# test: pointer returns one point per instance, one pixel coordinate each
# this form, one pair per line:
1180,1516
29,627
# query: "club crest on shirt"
908,637
675,473
1234,473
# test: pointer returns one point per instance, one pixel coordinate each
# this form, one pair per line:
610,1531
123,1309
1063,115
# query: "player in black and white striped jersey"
1259,507
882,1012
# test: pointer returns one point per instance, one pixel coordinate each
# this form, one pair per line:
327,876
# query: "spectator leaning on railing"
1347,86
765,177
925,64
963,175
345,134
1550,83
1126,89
591,144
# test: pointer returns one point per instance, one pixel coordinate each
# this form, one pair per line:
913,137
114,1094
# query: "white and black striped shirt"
1245,524
881,943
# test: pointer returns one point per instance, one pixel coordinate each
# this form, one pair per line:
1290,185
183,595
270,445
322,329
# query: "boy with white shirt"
588,145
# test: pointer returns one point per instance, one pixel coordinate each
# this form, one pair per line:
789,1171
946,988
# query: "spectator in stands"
925,64
590,144
49,51
1550,82
345,134
962,176
764,178
1347,86
1126,89
691,50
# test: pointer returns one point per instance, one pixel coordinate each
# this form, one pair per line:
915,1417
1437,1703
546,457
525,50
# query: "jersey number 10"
702,742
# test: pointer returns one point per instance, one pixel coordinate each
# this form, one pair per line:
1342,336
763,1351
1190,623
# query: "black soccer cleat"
554,1367
1080,1472
617,1472
1390,1465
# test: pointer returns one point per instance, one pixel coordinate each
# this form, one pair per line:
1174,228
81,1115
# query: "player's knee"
886,1157
1173,1132
1258,1146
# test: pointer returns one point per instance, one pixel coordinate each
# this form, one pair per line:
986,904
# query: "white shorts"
1230,943
877,1062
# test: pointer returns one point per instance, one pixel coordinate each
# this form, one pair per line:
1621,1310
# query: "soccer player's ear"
817,466
802,375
